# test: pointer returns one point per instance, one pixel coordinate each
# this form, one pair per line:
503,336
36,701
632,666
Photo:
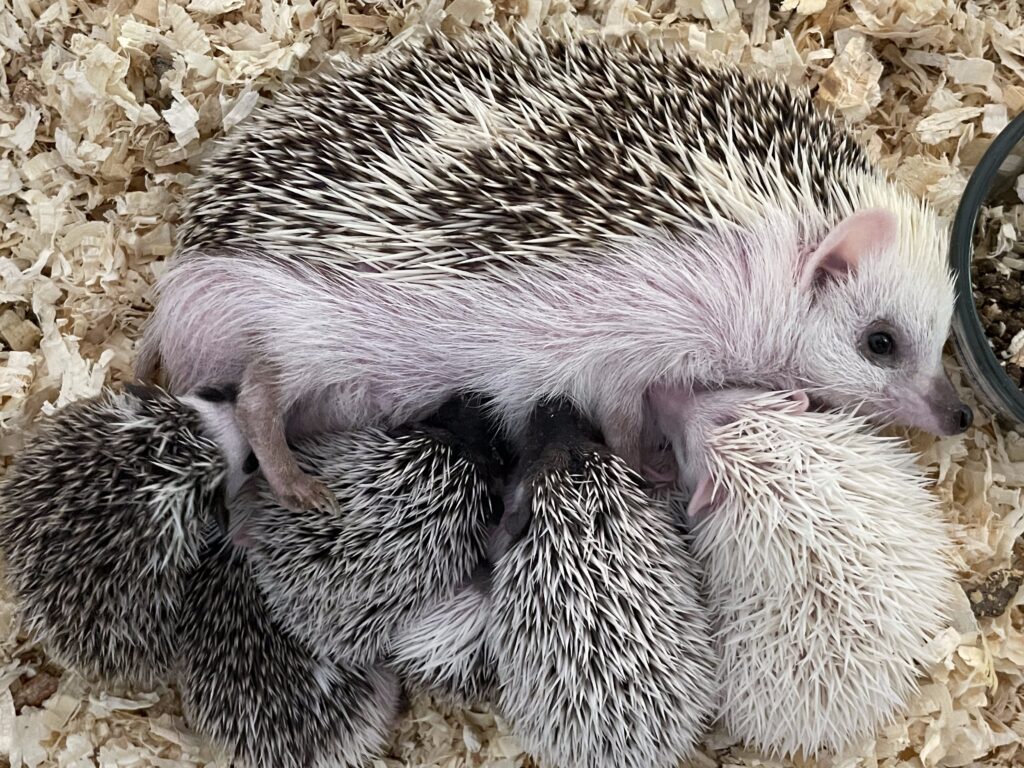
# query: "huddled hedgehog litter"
594,633
961,715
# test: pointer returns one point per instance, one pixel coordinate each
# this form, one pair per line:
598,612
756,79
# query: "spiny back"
488,154
100,521
119,453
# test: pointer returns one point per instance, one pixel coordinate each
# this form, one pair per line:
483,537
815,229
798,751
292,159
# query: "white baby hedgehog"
827,564
603,650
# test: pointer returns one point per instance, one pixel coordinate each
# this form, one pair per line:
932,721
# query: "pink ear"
856,236
801,402
702,500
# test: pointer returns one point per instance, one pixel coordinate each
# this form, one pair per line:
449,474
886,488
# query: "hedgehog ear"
862,234
701,500
799,402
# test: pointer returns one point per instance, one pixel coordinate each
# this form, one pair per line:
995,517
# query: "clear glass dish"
992,182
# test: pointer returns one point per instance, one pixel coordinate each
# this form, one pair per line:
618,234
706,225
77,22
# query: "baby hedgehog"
603,651
827,564
262,695
416,502
100,521
527,220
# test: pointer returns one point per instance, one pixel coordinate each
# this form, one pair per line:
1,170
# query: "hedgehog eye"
878,344
881,343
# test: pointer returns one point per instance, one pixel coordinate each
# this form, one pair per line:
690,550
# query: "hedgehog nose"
965,417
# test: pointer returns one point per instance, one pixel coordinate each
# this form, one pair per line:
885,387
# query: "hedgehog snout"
954,415
966,417
933,406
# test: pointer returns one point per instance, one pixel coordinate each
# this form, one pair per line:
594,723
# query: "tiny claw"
329,503
304,492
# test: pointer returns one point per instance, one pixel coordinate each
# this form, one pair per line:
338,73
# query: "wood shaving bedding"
104,108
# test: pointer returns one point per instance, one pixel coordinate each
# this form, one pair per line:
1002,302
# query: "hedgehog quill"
102,514
260,694
100,524
443,651
528,220
417,502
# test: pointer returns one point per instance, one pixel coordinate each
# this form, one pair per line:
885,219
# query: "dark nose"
964,417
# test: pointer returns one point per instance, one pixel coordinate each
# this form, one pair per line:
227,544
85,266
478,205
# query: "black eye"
881,343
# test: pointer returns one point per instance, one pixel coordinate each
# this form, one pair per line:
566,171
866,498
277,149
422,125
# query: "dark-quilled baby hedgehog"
603,649
100,522
417,503
101,519
262,695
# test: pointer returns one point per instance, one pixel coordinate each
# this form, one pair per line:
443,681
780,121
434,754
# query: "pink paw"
301,492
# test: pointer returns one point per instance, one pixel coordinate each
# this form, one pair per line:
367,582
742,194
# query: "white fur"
828,570
371,303
444,650
714,308
222,427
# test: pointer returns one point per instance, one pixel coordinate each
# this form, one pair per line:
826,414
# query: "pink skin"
316,351
933,406
928,401
839,253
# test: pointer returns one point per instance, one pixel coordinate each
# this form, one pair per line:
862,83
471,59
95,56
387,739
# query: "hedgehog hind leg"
260,415
147,361
200,332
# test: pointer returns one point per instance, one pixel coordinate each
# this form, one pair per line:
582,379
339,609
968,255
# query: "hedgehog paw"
303,492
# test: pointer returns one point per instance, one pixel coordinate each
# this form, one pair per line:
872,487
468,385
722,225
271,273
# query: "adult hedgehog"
529,220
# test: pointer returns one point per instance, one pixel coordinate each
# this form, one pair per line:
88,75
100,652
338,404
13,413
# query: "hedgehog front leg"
621,418
261,420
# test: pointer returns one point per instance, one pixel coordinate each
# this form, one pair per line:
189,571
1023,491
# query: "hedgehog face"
878,320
